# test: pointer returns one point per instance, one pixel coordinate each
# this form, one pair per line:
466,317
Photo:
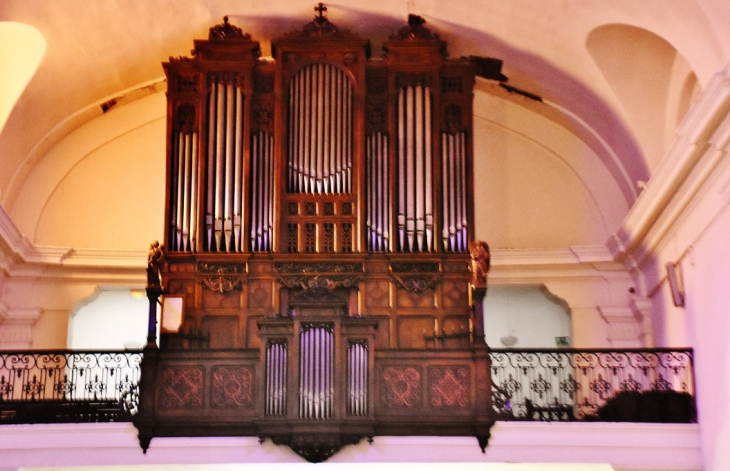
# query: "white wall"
528,313
113,319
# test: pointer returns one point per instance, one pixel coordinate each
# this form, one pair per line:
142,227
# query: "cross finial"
320,8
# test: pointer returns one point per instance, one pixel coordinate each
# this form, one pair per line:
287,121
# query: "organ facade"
319,217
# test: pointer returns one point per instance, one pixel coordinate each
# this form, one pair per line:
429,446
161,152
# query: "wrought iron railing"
593,385
68,386
559,384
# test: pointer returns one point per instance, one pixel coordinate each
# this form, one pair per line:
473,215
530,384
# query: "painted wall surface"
110,320
527,313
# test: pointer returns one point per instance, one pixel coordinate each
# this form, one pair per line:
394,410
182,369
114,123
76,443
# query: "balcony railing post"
153,295
154,290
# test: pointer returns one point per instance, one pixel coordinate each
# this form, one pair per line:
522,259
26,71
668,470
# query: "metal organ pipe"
320,131
316,387
276,361
415,199
357,378
183,216
455,223
224,198
378,192
429,169
219,157
211,168
262,174
238,195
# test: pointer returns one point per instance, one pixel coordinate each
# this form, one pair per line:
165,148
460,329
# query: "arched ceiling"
112,49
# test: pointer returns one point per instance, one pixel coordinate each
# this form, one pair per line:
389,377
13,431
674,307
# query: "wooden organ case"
318,219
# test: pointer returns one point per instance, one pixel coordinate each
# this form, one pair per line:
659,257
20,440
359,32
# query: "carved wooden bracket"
222,284
314,448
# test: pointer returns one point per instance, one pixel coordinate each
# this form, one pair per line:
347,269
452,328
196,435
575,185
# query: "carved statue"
480,261
154,258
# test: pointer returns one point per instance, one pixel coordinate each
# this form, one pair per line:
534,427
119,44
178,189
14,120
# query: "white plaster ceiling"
557,49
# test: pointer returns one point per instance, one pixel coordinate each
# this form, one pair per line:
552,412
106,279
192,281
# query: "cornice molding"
593,256
702,143
19,259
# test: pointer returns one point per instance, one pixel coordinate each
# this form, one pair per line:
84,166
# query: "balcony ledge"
625,446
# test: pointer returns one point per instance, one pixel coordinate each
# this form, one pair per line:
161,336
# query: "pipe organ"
318,219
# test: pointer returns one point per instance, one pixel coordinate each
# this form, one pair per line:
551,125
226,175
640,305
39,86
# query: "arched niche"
649,78
110,319
525,316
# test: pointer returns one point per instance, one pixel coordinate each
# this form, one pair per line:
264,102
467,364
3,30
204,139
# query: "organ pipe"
415,198
455,222
378,213
276,373
320,131
224,199
316,385
183,220
357,378
318,159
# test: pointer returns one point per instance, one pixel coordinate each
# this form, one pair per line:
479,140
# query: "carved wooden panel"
232,386
377,294
259,294
181,387
400,387
412,331
181,286
223,331
455,293
449,386
415,299
252,332
217,300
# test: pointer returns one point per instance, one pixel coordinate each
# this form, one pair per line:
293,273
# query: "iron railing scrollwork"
594,385
68,386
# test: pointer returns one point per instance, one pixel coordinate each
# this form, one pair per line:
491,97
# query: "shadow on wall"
525,317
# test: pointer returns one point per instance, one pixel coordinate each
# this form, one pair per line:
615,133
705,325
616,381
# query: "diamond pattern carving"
449,386
182,387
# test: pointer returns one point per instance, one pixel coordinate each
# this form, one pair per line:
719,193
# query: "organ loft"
316,280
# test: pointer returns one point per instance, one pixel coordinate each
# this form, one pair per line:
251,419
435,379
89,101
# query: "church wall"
684,218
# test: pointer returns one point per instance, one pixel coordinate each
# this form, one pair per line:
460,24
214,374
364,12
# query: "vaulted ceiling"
618,76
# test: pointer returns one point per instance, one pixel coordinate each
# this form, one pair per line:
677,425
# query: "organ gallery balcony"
214,392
